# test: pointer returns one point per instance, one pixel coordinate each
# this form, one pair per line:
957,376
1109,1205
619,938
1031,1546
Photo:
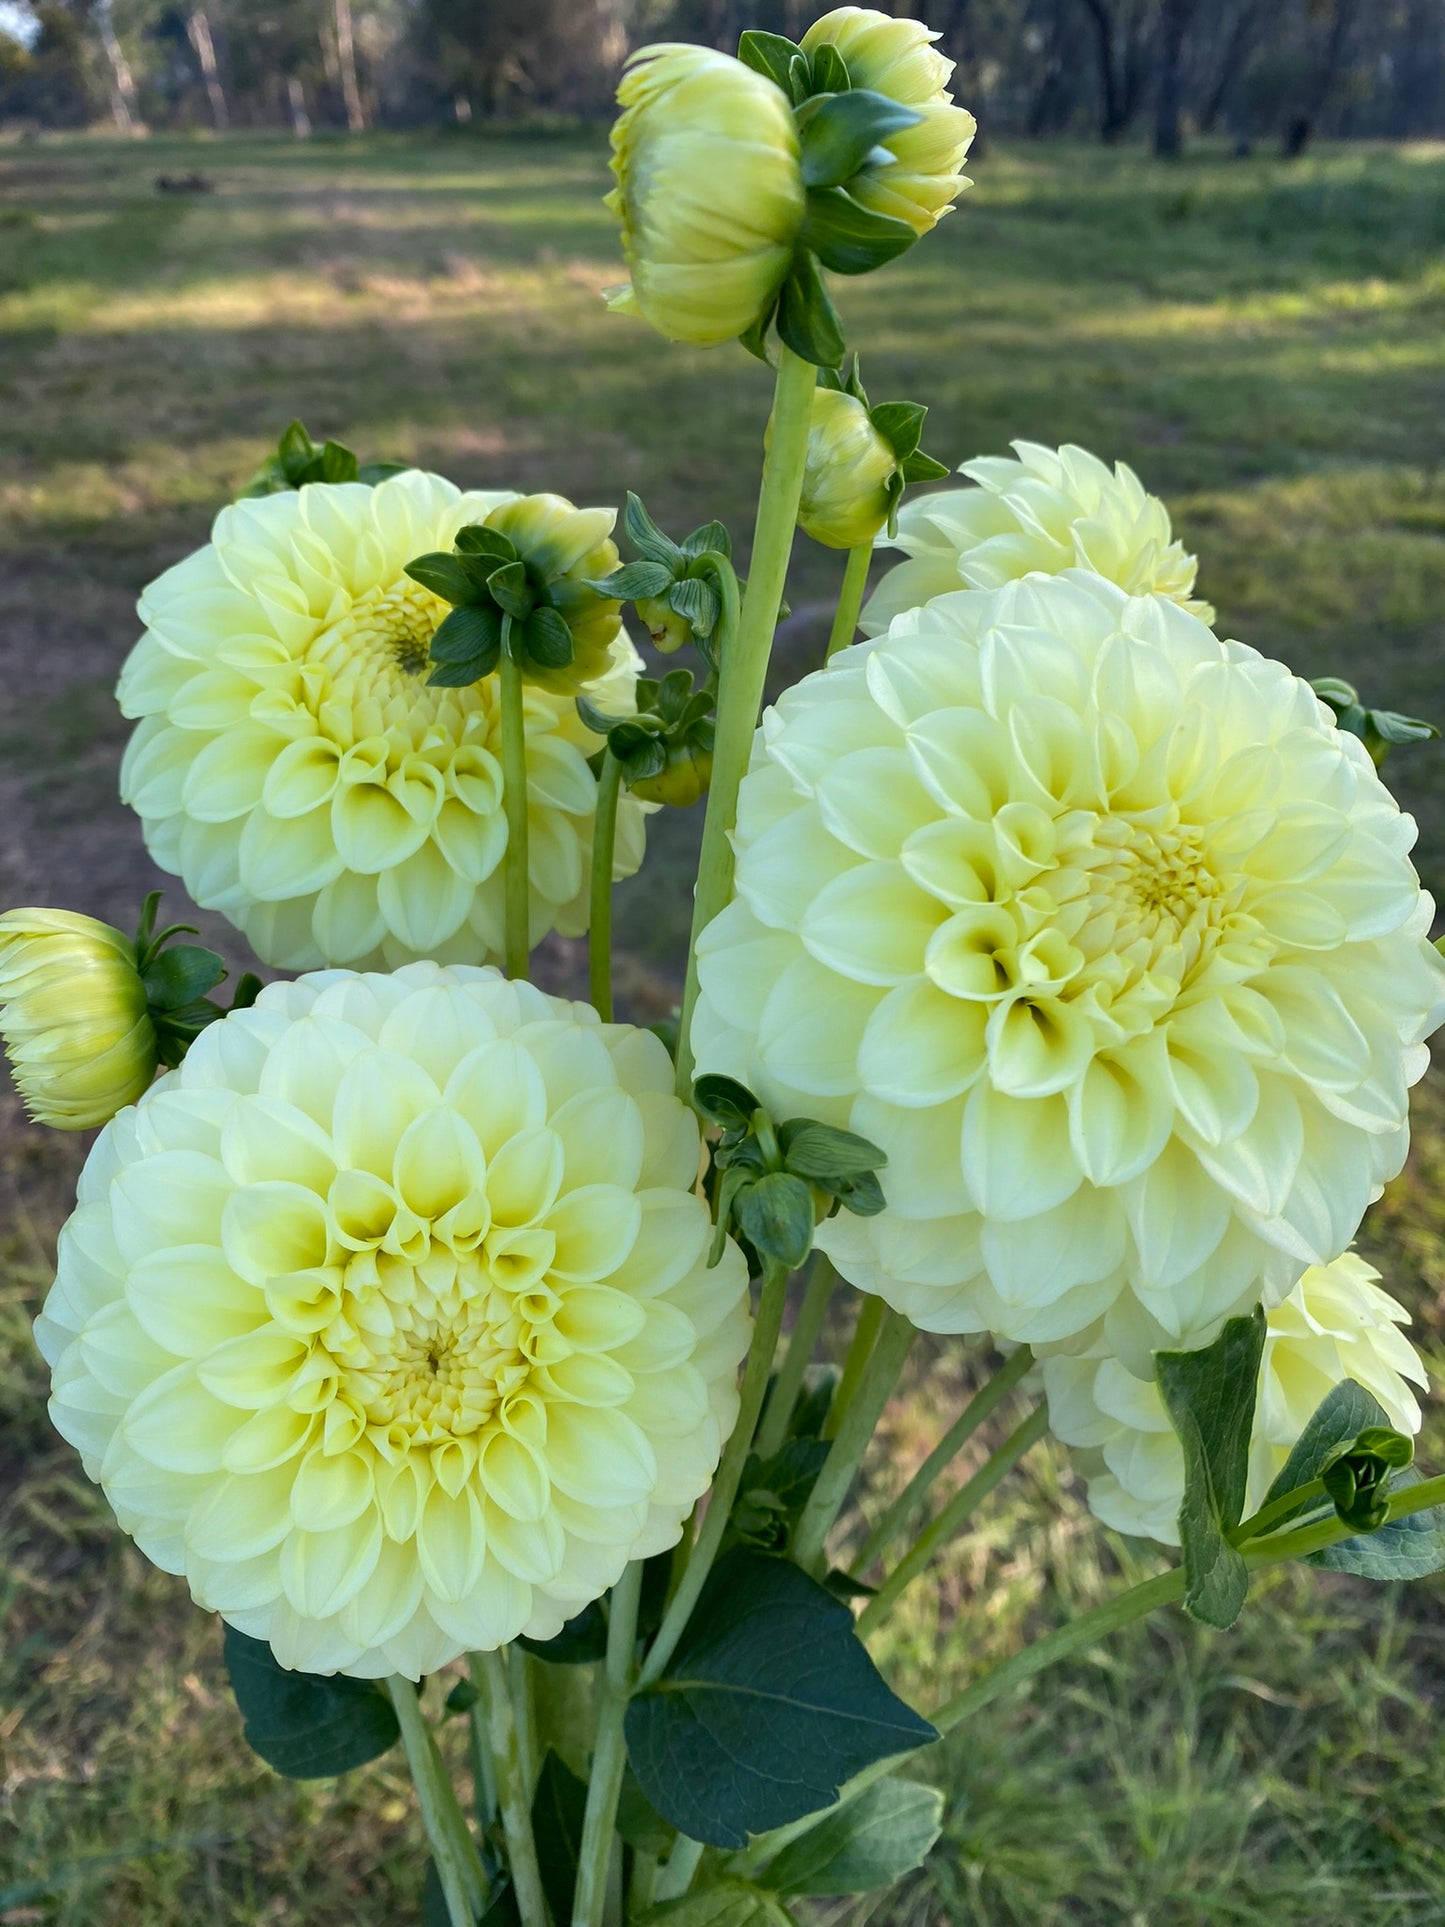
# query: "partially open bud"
74,1017
684,779
666,629
709,192
564,550
846,496
895,58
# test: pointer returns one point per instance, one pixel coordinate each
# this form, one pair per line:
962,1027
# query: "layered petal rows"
387,1321
292,764
1106,934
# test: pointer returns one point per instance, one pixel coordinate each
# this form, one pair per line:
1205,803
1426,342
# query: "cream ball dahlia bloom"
387,1321
924,175
1110,939
294,767
709,191
1042,511
1336,1324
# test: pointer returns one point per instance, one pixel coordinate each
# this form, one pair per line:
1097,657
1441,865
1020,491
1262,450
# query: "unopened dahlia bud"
846,496
923,176
73,1016
564,551
709,191
666,629
684,779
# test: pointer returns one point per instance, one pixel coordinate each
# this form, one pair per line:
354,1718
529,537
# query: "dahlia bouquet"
1057,980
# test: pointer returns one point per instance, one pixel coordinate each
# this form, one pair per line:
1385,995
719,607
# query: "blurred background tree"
1278,71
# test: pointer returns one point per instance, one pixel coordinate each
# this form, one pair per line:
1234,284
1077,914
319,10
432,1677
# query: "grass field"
1266,343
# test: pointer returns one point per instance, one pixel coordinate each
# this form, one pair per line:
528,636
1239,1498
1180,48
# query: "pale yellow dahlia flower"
709,191
845,499
1336,1324
896,58
386,1319
1048,510
73,1016
1110,939
293,765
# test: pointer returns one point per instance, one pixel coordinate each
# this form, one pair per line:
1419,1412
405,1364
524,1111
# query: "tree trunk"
300,119
1111,122
1236,52
1173,25
122,91
1301,129
346,61
198,32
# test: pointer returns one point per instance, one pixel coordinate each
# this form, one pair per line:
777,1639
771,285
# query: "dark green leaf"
755,338
295,448
770,55
850,238
698,602
477,539
502,1912
445,576
635,581
840,134
558,1807
830,70
645,536
768,1705
582,1640
510,588
640,759
775,1215
807,320
865,1843
180,975
306,1727
824,1153
373,472
597,720
1335,691
731,1903
1210,1396
338,464
711,538
815,1401
248,988
468,634
774,1491
919,467
1340,1417
638,1821
547,639
900,423
1408,1548
461,1699
1391,727
722,1100
863,1195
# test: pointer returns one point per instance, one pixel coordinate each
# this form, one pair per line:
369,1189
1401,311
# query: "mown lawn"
1265,343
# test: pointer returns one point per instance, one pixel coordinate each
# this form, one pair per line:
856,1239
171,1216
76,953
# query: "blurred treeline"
1251,70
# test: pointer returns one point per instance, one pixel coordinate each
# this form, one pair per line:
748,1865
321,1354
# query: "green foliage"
304,1726
840,132
768,1705
298,460
868,1842
731,1903
1380,730
1210,1396
558,1807
1408,1548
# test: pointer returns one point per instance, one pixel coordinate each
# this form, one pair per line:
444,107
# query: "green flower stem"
599,927
514,798
980,1407
729,1474
802,1340
825,1501
609,1755
524,1709
489,1676
453,1850
682,1863
871,1314
744,666
484,1773
644,1883
1269,1516
952,1516
850,598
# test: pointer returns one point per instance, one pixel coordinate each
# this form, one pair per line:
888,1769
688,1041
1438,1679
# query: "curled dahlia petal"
1336,1324
292,764
709,191
1042,512
386,1319
73,1016
1110,939
923,175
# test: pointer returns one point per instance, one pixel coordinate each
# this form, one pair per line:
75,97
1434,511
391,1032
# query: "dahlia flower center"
441,1371
365,674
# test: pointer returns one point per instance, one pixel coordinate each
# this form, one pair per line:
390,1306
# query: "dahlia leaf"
807,320
1408,1548
558,1808
769,1704
770,55
306,1727
850,238
839,134
445,575
732,1903
865,1843
645,536
180,975
581,1641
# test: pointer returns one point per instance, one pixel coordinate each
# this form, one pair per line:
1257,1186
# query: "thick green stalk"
840,1467
516,875
951,1518
644,1883
609,1755
850,598
489,1676
978,1408
1276,1513
802,1340
599,927
729,1474
454,1852
744,666
871,1313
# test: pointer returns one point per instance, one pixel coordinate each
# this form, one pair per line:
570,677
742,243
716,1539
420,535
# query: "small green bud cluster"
298,461
1380,730
671,583
665,748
